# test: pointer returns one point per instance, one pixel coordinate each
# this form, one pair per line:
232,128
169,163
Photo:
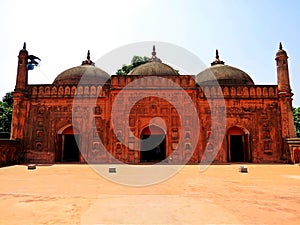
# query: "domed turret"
225,75
87,73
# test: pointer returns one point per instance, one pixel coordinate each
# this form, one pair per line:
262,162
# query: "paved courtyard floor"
76,194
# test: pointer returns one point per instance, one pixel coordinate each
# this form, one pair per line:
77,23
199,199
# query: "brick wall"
9,152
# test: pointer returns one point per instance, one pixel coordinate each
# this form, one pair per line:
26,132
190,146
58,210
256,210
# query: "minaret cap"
24,48
281,51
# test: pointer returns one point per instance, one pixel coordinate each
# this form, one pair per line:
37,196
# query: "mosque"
81,117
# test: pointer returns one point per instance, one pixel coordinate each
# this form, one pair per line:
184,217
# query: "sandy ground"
76,194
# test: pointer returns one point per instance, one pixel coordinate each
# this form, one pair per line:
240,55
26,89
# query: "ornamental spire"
24,48
217,54
154,57
280,51
88,60
153,52
217,60
88,55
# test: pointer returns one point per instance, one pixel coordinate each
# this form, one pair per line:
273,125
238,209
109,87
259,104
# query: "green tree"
6,106
296,112
8,99
135,61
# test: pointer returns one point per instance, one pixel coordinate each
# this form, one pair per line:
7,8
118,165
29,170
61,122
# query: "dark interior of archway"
71,150
158,153
237,151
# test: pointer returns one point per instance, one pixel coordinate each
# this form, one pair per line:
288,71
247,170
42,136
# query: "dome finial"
153,52
24,46
280,46
88,60
217,54
154,57
217,60
88,55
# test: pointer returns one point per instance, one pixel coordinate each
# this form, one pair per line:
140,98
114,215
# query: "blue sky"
247,33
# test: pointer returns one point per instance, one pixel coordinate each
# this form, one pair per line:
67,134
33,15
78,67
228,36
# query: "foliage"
296,112
6,106
8,99
135,61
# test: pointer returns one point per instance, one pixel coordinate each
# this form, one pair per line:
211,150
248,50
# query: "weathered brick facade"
9,152
48,118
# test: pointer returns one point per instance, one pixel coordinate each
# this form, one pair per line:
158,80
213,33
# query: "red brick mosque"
258,118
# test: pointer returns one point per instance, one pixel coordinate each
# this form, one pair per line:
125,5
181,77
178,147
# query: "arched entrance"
238,145
67,149
153,149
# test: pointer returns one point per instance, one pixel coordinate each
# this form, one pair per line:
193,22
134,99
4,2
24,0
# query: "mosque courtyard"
76,194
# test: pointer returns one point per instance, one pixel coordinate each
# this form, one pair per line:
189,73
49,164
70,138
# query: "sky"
246,33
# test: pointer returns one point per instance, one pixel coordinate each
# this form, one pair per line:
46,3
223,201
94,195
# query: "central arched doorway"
67,148
238,145
153,144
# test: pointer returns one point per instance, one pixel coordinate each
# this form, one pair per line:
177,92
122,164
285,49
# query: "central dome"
87,73
225,75
154,68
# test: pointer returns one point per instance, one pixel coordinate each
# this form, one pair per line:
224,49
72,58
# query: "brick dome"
224,74
90,74
153,68
87,73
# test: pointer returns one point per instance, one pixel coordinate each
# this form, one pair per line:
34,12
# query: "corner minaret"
20,96
282,71
22,72
285,94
